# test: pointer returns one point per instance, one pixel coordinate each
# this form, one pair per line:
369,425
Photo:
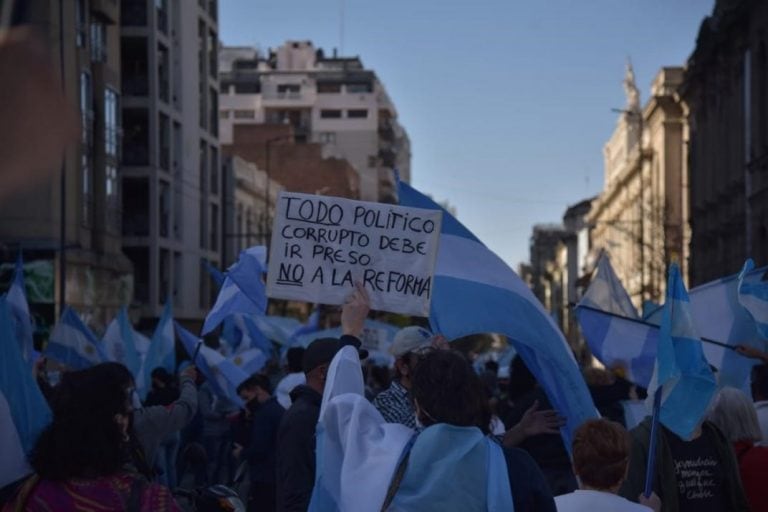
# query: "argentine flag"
753,295
24,413
119,343
73,344
222,375
162,350
688,384
249,361
612,328
243,290
277,328
19,308
475,291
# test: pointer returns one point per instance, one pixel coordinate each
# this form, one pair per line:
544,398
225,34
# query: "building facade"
640,218
333,101
69,226
725,93
246,188
172,180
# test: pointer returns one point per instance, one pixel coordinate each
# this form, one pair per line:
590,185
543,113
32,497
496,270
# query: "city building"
725,93
246,188
547,267
333,101
640,218
69,226
171,174
574,252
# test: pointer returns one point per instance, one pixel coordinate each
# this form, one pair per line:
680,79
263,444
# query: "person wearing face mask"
264,414
296,434
81,457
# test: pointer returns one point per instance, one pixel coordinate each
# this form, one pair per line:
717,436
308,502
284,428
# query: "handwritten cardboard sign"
322,245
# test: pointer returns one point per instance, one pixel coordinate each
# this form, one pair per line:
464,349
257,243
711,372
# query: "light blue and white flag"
249,361
688,384
162,350
475,292
277,328
119,343
27,411
221,374
243,291
606,292
312,325
19,307
216,274
72,343
753,295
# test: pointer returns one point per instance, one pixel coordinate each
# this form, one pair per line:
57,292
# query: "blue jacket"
262,446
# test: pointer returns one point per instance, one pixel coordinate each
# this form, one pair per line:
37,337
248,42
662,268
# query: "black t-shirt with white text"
700,478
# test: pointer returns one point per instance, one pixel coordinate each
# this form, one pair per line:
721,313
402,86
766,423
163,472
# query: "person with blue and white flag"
73,344
692,466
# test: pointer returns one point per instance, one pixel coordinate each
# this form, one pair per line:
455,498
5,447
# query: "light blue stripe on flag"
28,409
162,350
606,292
681,368
19,309
753,295
119,344
475,291
73,344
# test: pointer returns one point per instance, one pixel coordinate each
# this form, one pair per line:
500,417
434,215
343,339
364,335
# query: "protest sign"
322,245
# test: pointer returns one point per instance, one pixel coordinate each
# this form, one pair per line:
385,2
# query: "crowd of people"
106,447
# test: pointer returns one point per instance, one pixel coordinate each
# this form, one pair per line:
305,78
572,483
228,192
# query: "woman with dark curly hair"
79,459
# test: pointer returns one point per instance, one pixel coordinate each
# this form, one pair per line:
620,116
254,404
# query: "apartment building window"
135,207
214,227
139,256
81,17
201,33
98,41
213,110
330,114
86,147
163,72
163,275
213,54
328,87
111,126
364,87
110,173
357,113
212,9
244,114
164,141
161,6
164,208
133,13
134,66
326,137
224,114
288,90
248,88
202,208
214,190
135,136
178,273
86,108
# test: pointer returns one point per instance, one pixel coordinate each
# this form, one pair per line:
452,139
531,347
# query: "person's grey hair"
734,414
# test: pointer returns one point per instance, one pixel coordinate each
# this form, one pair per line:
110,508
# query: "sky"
507,103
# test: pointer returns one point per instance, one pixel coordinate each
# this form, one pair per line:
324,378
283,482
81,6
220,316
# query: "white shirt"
762,418
594,501
286,385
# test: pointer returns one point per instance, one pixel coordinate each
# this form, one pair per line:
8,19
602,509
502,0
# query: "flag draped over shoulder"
28,411
243,290
681,368
475,291
19,309
753,295
609,323
72,343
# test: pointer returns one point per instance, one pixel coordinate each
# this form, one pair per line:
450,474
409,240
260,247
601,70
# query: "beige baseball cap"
410,339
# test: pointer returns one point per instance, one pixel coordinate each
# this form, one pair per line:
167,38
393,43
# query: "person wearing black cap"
296,434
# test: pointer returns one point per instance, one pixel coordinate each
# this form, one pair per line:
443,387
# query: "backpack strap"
397,478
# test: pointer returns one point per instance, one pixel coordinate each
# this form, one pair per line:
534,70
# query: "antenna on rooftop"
342,9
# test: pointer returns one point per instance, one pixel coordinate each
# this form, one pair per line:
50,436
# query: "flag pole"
650,468
197,351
